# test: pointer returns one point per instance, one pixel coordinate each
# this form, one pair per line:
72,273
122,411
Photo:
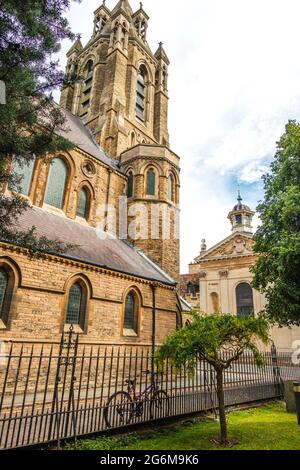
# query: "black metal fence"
52,392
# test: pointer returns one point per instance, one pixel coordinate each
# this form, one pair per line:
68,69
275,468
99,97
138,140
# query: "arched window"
7,283
83,204
141,94
24,173
164,80
150,189
130,184
171,188
56,185
75,312
131,312
244,300
3,290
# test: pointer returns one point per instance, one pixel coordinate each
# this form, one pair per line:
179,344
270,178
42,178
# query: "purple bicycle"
122,406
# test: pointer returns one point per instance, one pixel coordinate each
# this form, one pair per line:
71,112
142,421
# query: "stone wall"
39,301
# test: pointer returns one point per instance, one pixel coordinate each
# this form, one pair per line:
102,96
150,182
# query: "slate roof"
75,131
185,306
91,246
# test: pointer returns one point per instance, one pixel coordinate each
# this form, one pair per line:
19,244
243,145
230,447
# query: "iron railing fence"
50,392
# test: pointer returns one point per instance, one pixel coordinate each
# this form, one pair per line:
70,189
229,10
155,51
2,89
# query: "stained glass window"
130,185
3,289
150,183
129,317
74,305
244,299
82,206
24,172
56,183
170,188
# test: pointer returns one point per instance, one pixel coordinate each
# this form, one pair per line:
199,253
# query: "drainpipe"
153,288
107,198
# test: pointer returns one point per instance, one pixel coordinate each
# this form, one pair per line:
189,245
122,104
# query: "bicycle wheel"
159,405
118,410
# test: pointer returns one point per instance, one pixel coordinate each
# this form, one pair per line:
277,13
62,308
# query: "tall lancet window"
171,188
141,95
83,204
87,88
150,184
3,289
74,305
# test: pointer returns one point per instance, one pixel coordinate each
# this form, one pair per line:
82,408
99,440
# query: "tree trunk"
221,403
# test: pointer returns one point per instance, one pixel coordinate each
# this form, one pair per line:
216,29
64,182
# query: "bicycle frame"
153,387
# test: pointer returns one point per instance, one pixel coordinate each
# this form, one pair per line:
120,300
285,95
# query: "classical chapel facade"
117,275
219,278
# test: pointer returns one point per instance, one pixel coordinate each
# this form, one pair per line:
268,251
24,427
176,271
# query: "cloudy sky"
234,81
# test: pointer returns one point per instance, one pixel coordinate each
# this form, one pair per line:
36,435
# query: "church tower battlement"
123,99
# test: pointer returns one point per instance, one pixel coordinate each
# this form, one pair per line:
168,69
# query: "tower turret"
161,96
241,217
68,93
140,19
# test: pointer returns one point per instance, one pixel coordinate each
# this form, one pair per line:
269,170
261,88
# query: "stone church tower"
123,99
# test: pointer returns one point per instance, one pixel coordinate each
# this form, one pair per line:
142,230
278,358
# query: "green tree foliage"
218,339
277,240
30,33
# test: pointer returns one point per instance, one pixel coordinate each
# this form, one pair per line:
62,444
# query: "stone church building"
109,287
219,279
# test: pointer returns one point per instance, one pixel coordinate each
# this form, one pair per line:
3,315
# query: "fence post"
276,372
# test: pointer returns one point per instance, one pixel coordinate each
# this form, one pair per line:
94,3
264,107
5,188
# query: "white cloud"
234,82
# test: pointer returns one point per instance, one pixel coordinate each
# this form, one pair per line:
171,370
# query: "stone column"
203,292
224,300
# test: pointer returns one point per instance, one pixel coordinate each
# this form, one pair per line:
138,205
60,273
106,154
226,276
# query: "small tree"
218,339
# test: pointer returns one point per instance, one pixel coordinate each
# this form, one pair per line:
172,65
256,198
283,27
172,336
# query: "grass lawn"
268,427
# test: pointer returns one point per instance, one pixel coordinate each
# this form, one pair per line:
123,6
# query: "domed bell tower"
241,217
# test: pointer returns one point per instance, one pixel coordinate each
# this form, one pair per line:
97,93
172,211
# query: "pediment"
237,244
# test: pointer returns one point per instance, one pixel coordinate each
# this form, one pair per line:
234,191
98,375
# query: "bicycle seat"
129,382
